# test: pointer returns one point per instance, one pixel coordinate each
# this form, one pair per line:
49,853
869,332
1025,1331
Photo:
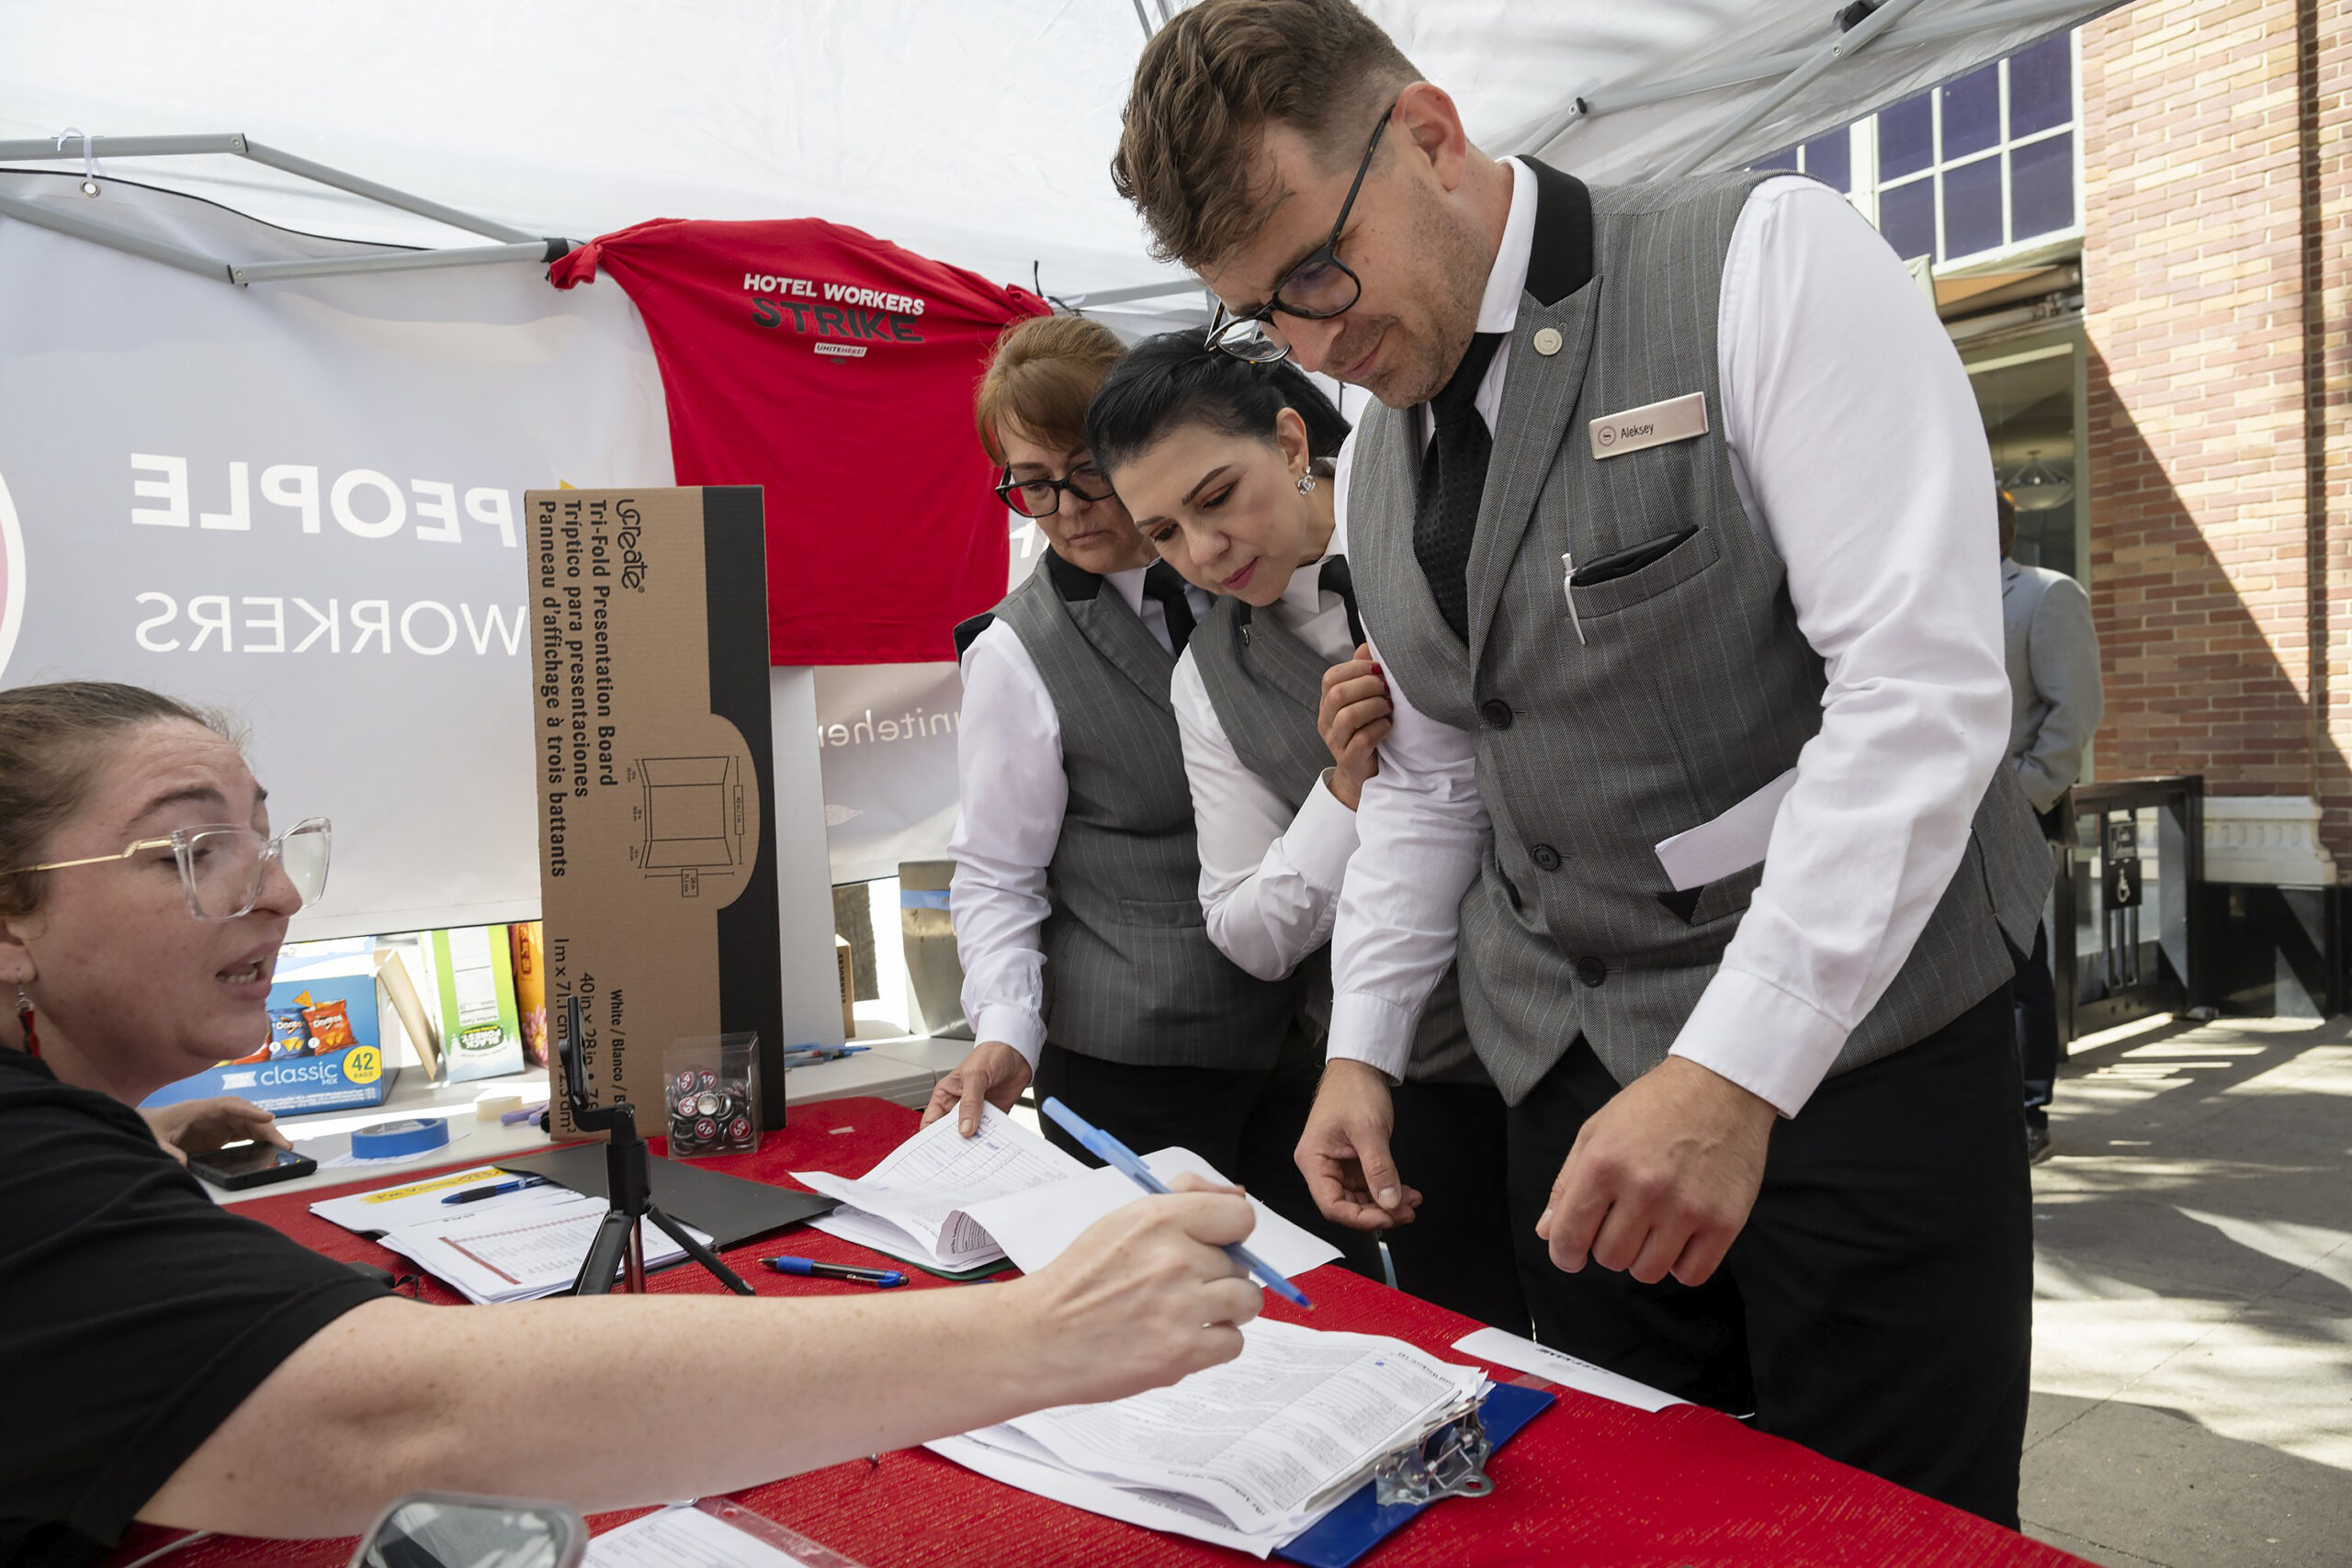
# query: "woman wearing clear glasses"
1088,971
1228,468
167,1359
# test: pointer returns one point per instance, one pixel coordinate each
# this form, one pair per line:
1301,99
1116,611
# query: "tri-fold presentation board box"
652,756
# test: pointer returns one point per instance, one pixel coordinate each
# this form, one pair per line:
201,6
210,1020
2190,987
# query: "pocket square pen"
1118,1155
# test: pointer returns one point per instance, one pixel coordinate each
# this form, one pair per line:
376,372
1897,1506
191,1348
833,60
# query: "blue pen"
1115,1154
475,1194
810,1268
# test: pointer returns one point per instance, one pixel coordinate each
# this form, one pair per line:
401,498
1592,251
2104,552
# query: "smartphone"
250,1164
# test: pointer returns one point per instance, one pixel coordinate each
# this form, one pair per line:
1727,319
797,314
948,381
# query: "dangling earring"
25,1017
1307,484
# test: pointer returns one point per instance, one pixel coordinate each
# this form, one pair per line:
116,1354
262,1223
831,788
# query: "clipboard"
1360,1523
731,1209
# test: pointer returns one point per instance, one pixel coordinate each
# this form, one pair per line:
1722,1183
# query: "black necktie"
1160,583
1337,578
1454,478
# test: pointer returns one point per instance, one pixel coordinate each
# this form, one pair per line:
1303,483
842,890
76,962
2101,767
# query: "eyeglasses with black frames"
1318,289
1042,498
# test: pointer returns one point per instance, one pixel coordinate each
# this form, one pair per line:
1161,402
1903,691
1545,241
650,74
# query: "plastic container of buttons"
711,1085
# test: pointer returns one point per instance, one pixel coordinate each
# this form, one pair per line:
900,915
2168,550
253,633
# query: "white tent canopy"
977,131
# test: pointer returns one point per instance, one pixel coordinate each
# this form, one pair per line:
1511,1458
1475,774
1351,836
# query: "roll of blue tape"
390,1140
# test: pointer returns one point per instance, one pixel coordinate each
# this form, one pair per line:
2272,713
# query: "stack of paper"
913,1205
1244,1455
414,1203
510,1247
952,1203
520,1254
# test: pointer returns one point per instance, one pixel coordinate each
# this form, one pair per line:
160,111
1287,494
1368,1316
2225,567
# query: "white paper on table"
684,1537
511,1254
1731,842
1263,1437
859,1228
984,1454
419,1202
925,1185
1034,1227
1525,1355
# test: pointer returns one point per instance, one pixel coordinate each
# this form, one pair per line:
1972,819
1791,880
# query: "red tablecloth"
1588,1481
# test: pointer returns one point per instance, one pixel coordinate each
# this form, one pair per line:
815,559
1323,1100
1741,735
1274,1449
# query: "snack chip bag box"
321,1050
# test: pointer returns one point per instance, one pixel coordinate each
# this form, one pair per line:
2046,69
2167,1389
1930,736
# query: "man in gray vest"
2055,701
1674,538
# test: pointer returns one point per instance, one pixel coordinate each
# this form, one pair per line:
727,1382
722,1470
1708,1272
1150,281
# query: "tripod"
628,1182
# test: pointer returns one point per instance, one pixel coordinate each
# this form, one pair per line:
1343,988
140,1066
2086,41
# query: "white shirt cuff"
1368,1030
1016,1026
1321,839
1761,1038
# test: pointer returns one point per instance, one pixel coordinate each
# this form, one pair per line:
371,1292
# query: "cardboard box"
287,1076
652,752
473,973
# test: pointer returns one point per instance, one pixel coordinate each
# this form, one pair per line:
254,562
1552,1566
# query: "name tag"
1654,425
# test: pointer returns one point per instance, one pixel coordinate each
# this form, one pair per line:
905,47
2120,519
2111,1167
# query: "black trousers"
2037,1026
1245,1122
1877,1307
1449,1142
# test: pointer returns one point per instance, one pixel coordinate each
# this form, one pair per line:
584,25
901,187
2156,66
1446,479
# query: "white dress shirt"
1874,486
1269,878
1010,796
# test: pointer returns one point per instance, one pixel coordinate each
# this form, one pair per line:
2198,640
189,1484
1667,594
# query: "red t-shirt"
835,371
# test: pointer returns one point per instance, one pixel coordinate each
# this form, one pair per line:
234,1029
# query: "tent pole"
1140,291
1853,42
1613,100
68,222
117,147
539,250
384,194
516,244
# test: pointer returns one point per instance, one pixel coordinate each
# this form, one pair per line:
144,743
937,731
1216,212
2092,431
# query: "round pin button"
1548,340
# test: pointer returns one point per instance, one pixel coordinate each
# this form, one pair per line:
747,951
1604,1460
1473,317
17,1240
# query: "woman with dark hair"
1087,972
1227,468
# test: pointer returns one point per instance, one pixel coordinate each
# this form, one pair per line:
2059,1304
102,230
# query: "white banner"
301,502
886,735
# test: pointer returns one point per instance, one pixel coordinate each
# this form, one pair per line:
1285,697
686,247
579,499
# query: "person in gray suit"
2055,701
1666,526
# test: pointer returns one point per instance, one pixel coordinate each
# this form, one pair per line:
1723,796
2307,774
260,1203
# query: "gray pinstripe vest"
1266,685
1691,689
1131,975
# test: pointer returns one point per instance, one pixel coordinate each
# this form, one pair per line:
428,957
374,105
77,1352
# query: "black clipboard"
730,1209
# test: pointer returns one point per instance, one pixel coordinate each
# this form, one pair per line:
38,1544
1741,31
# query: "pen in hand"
1112,1152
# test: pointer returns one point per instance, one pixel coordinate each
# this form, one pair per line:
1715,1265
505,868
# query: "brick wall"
2215,213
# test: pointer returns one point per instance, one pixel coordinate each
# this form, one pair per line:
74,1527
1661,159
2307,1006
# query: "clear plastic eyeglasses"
221,866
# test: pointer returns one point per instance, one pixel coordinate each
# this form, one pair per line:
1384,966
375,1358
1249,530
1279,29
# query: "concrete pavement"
2193,1379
